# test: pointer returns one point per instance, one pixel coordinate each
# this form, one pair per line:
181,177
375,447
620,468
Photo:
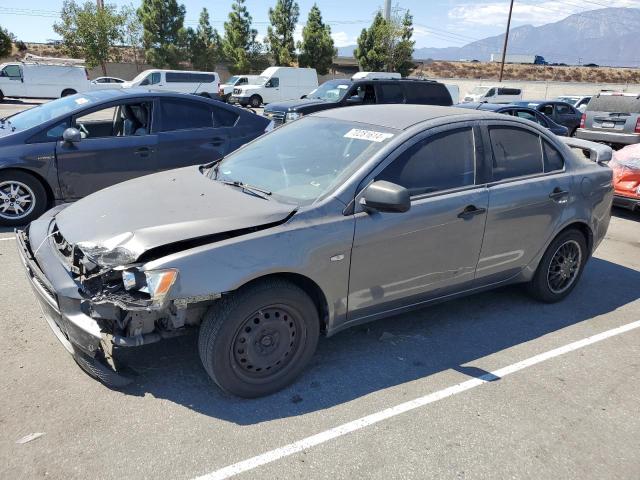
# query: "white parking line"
363,422
6,239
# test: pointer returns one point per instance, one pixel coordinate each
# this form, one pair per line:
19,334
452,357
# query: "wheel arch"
583,228
309,286
37,176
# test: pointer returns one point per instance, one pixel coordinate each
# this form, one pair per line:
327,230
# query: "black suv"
344,92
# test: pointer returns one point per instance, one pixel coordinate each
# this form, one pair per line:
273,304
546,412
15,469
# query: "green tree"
164,36
387,45
5,42
132,31
90,32
316,47
371,50
204,44
279,39
239,44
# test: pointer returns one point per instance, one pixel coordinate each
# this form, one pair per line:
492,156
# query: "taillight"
583,118
637,129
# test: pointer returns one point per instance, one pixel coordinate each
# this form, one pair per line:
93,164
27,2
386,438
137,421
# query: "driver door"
11,81
113,149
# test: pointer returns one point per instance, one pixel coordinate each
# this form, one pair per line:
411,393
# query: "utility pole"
387,10
506,41
100,4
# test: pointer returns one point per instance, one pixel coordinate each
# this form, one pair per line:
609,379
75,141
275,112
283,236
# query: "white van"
276,84
202,83
42,79
226,89
493,94
375,75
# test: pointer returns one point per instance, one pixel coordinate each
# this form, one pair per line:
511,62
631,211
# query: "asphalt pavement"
490,386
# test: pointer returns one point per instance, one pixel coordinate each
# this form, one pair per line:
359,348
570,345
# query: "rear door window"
516,152
441,162
223,117
181,115
553,160
427,93
391,93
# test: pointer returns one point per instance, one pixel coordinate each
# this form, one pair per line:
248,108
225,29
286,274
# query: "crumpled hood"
163,208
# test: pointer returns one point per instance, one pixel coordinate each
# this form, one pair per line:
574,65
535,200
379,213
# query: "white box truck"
276,84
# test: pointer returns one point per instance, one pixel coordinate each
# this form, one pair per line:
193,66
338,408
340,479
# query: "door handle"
217,141
142,151
471,211
558,194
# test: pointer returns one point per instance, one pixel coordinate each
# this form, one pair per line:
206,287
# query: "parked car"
65,149
226,89
276,84
626,177
340,218
201,83
102,83
612,118
560,112
520,112
35,79
577,101
344,92
493,94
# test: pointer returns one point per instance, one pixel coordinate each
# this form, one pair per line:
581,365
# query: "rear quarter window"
614,103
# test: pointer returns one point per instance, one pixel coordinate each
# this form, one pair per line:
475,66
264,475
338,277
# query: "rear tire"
560,268
1,96
258,340
22,198
255,101
67,92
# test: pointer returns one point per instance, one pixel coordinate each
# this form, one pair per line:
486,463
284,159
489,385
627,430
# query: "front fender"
316,246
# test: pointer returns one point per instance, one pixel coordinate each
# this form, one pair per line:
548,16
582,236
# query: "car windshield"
331,91
48,111
261,80
140,76
304,160
233,80
480,90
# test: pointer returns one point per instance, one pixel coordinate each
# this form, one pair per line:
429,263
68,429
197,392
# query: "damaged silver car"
340,218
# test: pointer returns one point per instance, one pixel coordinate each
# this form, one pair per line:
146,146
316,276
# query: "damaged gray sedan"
337,219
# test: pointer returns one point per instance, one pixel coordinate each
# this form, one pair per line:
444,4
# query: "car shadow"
386,353
626,213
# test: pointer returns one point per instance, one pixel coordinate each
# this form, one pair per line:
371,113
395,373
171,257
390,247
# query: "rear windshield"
614,103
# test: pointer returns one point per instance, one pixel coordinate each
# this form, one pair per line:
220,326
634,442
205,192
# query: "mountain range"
608,36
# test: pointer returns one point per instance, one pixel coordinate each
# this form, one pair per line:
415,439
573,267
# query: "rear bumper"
60,302
608,137
626,202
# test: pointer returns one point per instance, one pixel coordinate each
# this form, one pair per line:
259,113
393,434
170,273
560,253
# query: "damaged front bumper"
61,303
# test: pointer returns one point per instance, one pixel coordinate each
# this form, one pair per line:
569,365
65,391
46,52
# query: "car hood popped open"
164,208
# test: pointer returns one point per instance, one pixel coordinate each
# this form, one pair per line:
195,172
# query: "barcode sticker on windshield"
370,135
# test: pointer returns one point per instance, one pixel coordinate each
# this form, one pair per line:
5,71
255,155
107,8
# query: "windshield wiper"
260,192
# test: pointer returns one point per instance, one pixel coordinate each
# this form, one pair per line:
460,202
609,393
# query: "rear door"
193,132
115,147
432,249
528,194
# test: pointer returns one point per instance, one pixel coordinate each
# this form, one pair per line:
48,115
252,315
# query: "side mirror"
383,196
71,135
354,100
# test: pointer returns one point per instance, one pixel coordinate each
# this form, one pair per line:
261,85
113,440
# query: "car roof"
396,116
116,93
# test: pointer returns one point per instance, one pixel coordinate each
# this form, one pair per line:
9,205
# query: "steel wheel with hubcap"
258,339
560,267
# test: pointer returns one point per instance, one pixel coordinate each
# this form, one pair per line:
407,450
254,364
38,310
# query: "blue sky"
438,23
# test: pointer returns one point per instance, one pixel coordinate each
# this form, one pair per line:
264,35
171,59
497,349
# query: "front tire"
67,92
560,268
255,101
22,198
258,340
